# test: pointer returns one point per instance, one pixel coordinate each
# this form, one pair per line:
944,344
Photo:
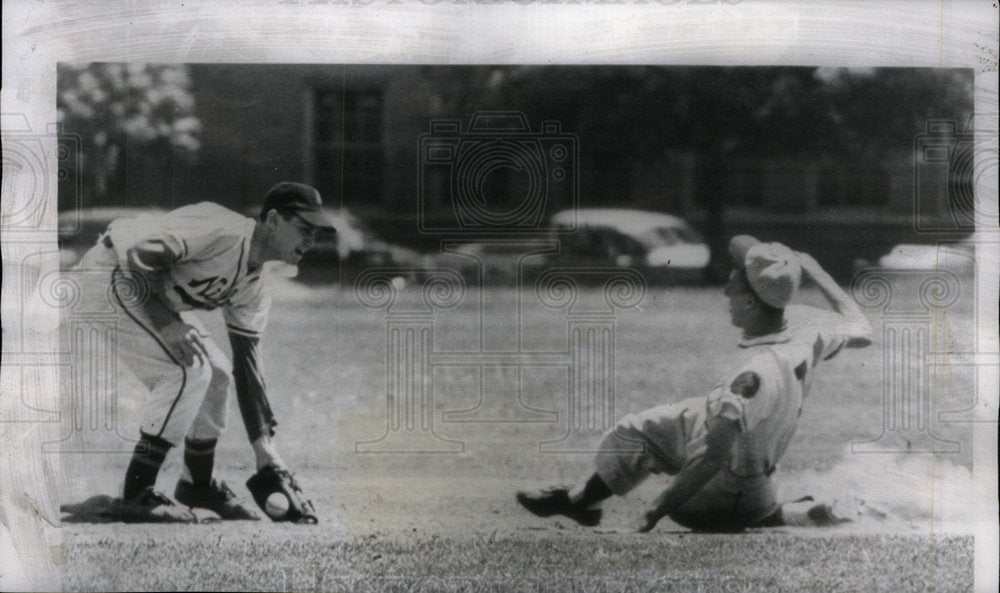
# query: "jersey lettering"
206,268
212,289
207,293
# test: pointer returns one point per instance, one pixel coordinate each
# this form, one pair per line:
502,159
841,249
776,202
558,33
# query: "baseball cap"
299,198
772,269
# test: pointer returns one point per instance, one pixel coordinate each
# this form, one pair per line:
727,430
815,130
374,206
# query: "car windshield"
689,235
671,236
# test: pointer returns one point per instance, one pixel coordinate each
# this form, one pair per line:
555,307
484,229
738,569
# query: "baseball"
276,505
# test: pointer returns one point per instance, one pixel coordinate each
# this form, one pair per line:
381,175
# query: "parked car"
497,262
661,246
957,257
354,248
79,229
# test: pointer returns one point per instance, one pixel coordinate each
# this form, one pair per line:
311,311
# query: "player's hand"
184,342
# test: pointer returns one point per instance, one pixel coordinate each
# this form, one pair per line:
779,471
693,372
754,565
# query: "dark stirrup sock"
147,458
594,491
199,457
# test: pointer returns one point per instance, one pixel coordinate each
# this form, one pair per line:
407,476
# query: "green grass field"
407,522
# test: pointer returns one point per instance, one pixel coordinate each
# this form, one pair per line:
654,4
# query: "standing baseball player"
722,449
156,271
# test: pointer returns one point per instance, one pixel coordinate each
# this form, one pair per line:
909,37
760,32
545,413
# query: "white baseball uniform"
204,248
764,395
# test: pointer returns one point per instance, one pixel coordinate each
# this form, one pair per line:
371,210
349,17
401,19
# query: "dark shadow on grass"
105,509
96,509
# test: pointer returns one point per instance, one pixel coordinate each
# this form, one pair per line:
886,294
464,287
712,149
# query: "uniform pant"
181,400
671,437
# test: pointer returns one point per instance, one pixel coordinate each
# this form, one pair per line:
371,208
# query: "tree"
628,115
116,109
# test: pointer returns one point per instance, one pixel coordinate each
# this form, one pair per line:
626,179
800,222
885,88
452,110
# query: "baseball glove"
270,481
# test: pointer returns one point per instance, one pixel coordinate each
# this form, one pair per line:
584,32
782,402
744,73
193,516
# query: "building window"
348,155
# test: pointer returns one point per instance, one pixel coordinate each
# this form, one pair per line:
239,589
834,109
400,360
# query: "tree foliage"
641,110
630,116
114,108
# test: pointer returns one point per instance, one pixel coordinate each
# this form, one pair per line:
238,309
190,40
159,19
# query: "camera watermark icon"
34,163
953,171
591,351
91,409
496,176
65,351
504,372
410,425
910,411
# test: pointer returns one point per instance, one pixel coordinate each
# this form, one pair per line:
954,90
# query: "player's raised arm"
854,325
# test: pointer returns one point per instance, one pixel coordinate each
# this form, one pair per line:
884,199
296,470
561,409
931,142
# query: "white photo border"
38,34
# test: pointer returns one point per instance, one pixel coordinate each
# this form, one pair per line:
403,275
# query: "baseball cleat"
823,516
216,497
555,501
150,506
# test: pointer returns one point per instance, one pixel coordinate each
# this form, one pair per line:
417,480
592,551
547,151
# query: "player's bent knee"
206,428
221,364
221,379
198,378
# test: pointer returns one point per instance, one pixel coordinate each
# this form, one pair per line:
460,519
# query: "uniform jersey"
765,395
207,248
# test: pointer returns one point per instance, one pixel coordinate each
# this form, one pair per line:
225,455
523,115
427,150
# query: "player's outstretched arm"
719,440
273,476
854,324
251,394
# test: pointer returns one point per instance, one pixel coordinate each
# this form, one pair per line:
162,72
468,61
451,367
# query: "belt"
766,474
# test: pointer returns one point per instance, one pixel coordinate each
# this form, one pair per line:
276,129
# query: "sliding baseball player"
722,449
